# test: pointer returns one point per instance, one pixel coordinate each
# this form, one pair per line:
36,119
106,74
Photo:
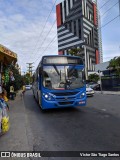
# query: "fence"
111,83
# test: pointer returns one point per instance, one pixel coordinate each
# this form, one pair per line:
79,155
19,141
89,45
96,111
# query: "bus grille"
65,94
65,103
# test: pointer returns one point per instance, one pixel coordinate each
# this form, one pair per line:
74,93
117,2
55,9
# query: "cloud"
21,26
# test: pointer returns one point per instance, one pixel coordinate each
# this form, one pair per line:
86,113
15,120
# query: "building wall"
77,24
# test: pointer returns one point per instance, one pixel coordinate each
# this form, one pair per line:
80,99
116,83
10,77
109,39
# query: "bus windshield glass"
62,77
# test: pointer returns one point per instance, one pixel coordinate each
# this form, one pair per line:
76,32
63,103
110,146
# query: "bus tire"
43,110
38,100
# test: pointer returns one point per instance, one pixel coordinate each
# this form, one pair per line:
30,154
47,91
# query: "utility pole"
30,70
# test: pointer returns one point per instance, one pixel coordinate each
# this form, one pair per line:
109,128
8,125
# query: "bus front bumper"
61,104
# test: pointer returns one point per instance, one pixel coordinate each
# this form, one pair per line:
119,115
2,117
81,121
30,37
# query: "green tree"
27,79
75,51
115,64
93,77
18,82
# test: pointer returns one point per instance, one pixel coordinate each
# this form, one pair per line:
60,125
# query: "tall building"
99,33
77,27
100,39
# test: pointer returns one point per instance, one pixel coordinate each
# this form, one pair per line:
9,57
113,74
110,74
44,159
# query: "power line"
47,46
104,4
55,37
46,37
51,40
109,9
49,32
110,21
44,26
45,49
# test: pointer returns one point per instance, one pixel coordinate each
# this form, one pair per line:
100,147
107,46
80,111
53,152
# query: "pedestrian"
11,92
23,89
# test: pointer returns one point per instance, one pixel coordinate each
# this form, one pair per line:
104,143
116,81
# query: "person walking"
12,92
23,89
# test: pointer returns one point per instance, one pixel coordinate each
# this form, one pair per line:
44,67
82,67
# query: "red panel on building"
60,52
95,14
97,57
58,13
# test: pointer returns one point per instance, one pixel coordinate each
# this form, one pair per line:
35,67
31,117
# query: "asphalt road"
95,127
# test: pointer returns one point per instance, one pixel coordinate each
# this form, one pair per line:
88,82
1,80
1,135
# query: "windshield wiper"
56,69
59,73
71,69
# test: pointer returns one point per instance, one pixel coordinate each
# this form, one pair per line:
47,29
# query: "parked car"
28,87
94,85
89,91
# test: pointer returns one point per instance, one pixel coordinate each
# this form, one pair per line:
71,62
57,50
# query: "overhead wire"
45,49
110,21
109,9
64,25
52,39
104,4
40,34
46,36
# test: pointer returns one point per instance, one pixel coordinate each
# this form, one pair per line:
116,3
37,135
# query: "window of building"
75,27
70,26
79,27
65,8
69,5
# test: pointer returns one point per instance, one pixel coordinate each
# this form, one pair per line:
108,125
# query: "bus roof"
61,56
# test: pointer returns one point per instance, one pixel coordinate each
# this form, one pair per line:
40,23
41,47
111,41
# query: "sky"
22,23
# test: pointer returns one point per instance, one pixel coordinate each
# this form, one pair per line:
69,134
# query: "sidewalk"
108,92
16,138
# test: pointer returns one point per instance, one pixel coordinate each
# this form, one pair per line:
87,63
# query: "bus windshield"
62,77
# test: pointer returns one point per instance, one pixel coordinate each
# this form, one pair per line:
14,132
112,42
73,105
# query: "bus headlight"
82,95
47,96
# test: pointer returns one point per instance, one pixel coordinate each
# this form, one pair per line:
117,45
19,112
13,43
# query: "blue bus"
59,81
